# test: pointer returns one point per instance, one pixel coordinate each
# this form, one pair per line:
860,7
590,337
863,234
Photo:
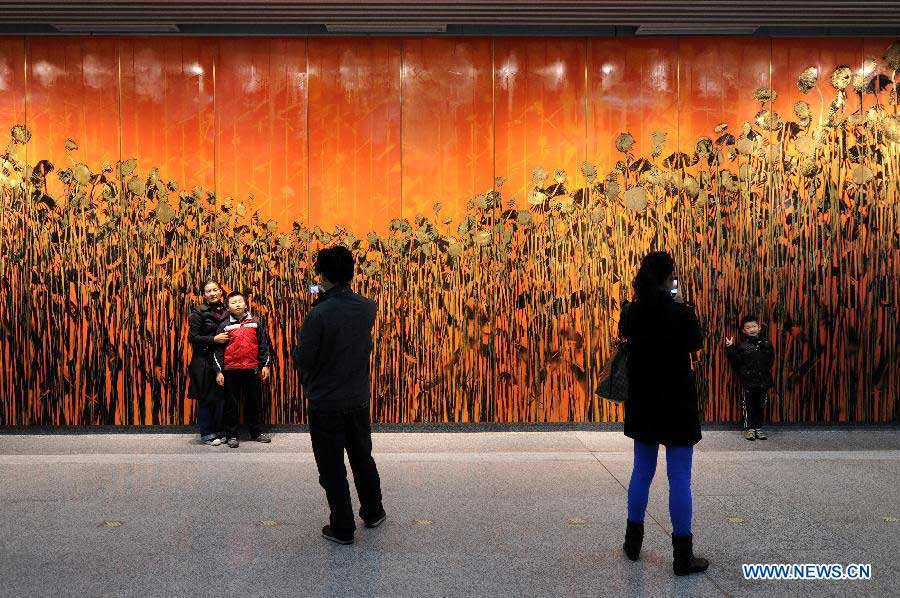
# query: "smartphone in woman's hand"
676,293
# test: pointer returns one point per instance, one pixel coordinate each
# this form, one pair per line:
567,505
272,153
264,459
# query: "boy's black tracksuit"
752,359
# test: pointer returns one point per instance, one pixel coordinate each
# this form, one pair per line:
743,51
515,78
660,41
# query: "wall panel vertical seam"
493,115
587,45
26,47
308,161
215,65
400,143
122,204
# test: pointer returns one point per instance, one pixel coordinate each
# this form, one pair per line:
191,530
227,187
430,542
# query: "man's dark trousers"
332,432
246,384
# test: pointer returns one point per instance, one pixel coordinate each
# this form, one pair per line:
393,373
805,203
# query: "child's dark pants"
242,384
754,403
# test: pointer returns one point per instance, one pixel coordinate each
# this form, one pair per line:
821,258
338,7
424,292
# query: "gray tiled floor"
499,507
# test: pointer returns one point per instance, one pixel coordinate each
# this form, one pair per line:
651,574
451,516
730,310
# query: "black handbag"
613,385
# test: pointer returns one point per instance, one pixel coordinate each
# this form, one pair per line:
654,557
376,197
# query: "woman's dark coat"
204,322
661,407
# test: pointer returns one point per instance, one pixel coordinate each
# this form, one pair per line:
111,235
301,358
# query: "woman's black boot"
684,562
634,537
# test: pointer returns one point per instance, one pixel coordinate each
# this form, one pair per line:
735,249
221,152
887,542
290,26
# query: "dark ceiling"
589,17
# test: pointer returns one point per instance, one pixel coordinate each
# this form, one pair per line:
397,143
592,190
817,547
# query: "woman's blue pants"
678,468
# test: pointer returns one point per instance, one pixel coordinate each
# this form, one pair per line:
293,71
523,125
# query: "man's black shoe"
329,534
376,521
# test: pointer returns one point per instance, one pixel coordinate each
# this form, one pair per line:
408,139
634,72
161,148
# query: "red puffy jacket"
248,345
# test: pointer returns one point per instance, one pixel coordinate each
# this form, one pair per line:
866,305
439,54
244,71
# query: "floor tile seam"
648,514
769,455
261,458
456,456
717,584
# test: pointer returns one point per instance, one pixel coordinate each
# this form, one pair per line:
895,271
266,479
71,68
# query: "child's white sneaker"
760,435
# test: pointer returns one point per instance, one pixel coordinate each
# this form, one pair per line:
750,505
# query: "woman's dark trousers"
331,433
210,410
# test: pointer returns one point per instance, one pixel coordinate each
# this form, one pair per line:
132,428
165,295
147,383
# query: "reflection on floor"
470,514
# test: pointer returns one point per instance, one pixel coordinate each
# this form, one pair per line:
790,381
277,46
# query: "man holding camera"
333,358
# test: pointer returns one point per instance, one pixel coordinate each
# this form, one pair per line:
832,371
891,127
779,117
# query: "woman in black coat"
204,322
661,332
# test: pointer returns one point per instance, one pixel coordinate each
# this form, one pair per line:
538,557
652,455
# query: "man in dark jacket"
333,358
752,359
242,364
202,335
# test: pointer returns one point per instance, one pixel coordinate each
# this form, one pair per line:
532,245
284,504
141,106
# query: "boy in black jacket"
241,365
752,359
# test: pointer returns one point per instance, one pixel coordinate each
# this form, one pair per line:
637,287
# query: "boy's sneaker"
760,435
262,438
233,443
376,521
329,534
750,435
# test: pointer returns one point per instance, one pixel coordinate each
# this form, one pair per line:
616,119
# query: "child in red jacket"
242,364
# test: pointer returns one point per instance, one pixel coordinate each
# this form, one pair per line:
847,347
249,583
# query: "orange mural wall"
497,192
